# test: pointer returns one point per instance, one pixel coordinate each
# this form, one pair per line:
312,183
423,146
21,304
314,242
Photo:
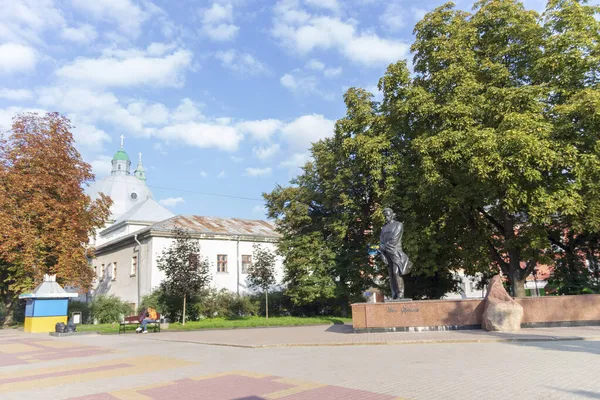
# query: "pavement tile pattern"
16,350
329,363
237,386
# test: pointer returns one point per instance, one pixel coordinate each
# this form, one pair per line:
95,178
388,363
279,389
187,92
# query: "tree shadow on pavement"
578,346
582,393
342,328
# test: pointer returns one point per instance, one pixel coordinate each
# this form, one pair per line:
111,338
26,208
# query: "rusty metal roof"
219,226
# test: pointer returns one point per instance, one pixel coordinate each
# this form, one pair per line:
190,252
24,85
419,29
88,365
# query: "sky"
223,98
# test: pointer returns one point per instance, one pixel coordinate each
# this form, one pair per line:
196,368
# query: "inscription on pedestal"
403,310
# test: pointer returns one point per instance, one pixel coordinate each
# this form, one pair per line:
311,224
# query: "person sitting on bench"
147,316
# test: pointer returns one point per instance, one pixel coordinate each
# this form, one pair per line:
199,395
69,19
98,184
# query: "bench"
133,320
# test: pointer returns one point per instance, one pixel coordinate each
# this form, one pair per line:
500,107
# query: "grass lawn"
215,323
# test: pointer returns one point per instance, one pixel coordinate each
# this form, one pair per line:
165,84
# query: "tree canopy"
186,272
488,151
45,216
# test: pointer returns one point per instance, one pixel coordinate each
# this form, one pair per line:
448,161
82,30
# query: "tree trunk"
266,304
183,319
9,307
517,283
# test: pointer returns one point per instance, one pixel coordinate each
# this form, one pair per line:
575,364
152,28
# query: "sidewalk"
343,335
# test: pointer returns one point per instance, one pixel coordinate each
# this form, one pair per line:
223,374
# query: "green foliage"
83,308
186,272
489,153
261,274
213,303
154,299
108,309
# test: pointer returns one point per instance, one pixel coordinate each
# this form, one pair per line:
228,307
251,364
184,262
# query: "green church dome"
121,156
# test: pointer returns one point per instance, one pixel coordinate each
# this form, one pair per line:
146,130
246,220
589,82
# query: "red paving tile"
237,387
221,388
9,359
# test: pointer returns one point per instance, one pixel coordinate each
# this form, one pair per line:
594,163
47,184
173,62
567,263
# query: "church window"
119,167
246,263
102,272
221,263
133,266
114,271
133,196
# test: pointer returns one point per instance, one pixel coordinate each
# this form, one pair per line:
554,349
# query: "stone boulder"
502,313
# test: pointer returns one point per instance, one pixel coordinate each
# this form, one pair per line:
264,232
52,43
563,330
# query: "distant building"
139,229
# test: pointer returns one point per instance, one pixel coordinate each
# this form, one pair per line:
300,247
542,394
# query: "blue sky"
221,97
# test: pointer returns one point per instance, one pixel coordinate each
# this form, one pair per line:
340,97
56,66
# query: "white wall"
210,248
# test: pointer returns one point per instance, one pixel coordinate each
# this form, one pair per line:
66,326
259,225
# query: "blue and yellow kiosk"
46,306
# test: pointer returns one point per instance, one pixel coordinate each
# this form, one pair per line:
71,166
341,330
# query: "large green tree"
45,216
488,151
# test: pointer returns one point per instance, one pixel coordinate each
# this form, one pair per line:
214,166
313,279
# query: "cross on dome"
122,140
140,157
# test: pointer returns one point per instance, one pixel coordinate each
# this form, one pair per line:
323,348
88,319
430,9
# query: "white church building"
139,229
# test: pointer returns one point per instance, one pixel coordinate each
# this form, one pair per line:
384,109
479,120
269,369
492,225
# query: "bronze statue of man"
390,248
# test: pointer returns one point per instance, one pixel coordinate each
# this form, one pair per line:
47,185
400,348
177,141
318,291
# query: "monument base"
462,314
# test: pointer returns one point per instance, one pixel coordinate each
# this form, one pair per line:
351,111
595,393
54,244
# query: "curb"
389,343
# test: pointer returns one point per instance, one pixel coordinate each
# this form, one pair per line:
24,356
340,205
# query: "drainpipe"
238,265
138,269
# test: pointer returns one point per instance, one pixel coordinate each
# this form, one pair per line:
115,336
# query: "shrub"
108,309
154,299
83,308
243,306
214,303
223,303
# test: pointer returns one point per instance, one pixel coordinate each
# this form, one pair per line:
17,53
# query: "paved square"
305,363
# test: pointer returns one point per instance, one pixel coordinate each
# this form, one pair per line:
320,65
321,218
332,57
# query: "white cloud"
16,94
7,114
307,129
83,34
299,82
302,32
136,70
261,129
328,72
24,21
128,16
203,173
203,135
221,174
332,72
262,153
153,114
258,171
243,63
393,16
236,159
187,110
295,162
171,201
315,65
101,166
217,22
16,57
326,4
87,135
